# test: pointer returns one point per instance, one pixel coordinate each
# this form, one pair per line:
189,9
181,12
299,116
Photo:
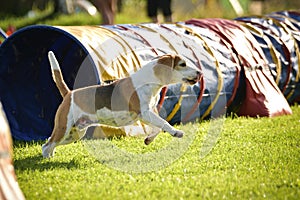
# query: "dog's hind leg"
48,149
63,124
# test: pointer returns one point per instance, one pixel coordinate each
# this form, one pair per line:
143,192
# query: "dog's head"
172,69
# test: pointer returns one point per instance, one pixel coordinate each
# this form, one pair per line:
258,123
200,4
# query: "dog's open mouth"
192,81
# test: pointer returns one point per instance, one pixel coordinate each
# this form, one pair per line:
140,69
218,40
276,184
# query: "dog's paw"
178,134
148,140
48,150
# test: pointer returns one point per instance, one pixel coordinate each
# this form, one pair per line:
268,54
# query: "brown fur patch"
60,122
117,96
60,84
85,98
169,60
126,90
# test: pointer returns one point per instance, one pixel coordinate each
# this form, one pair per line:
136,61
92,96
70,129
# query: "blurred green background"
20,13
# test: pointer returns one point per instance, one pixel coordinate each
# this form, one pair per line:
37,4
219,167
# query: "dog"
118,104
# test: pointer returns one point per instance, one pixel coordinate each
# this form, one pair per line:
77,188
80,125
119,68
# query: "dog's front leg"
154,132
150,117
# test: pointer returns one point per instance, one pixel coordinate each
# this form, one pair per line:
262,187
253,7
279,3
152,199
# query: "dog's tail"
57,75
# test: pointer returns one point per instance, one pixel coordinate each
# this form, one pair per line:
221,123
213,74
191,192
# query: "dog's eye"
182,64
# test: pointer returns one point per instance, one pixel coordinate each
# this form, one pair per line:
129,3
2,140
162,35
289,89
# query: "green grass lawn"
251,159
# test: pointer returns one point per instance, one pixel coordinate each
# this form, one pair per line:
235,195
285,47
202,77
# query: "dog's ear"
177,61
169,60
164,67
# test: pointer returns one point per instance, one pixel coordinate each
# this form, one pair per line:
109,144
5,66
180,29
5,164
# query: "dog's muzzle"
193,80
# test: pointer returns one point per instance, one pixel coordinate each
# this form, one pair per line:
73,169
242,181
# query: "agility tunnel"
250,66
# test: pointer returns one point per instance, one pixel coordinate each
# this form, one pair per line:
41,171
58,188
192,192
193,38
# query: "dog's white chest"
115,118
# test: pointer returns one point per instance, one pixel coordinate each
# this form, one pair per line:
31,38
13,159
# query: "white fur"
53,62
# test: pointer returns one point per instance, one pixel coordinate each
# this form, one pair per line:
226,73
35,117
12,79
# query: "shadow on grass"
39,163
29,157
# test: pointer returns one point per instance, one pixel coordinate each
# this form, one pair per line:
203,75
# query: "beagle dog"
118,104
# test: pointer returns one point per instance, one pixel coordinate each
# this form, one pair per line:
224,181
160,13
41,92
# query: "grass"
251,159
